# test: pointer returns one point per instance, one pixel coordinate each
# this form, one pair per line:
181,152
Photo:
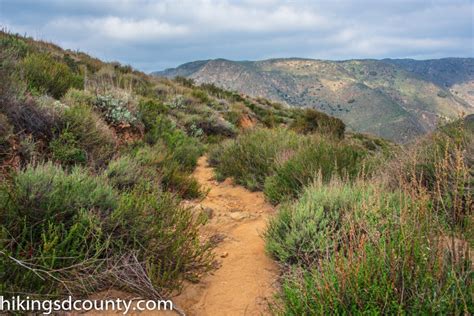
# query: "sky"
154,35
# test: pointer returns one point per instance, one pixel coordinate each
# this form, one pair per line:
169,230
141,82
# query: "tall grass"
361,249
317,156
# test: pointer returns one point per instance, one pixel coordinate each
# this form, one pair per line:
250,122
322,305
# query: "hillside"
395,99
96,170
147,187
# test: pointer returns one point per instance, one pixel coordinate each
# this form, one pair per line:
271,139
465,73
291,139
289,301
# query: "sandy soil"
246,278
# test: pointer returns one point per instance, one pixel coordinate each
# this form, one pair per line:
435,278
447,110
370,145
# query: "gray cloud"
152,35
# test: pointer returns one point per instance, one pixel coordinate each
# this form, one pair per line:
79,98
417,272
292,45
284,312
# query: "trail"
246,278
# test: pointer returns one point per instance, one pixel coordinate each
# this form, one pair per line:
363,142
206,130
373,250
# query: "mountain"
393,98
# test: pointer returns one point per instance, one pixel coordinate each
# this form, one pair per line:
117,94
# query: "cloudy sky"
156,34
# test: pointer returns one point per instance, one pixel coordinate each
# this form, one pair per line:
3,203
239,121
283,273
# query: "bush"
360,249
158,163
124,172
149,110
58,227
46,75
65,149
214,125
28,118
6,131
310,121
75,97
115,110
318,223
184,149
251,157
165,237
319,156
91,133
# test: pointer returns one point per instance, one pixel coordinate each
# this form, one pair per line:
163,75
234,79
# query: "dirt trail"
246,278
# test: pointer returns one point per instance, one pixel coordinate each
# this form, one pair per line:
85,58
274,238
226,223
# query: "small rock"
209,212
224,255
238,215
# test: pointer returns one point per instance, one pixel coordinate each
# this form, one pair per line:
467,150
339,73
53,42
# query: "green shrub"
200,95
75,97
124,172
158,163
91,133
401,272
149,110
46,75
65,149
362,250
319,156
45,216
316,224
250,158
310,121
56,227
164,235
184,149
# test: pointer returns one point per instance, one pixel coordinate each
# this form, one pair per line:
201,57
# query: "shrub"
185,150
65,149
319,156
45,219
46,75
149,110
58,227
214,125
115,110
6,131
91,133
310,121
318,223
75,97
165,237
159,164
404,271
28,118
124,172
251,157
357,249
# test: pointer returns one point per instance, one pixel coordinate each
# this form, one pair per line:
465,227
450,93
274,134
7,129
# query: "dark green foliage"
311,121
160,165
65,149
200,95
91,133
149,110
125,173
187,82
185,150
46,75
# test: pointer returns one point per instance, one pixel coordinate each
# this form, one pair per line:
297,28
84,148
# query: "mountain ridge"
393,98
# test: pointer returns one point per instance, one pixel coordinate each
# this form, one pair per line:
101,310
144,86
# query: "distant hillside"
396,99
